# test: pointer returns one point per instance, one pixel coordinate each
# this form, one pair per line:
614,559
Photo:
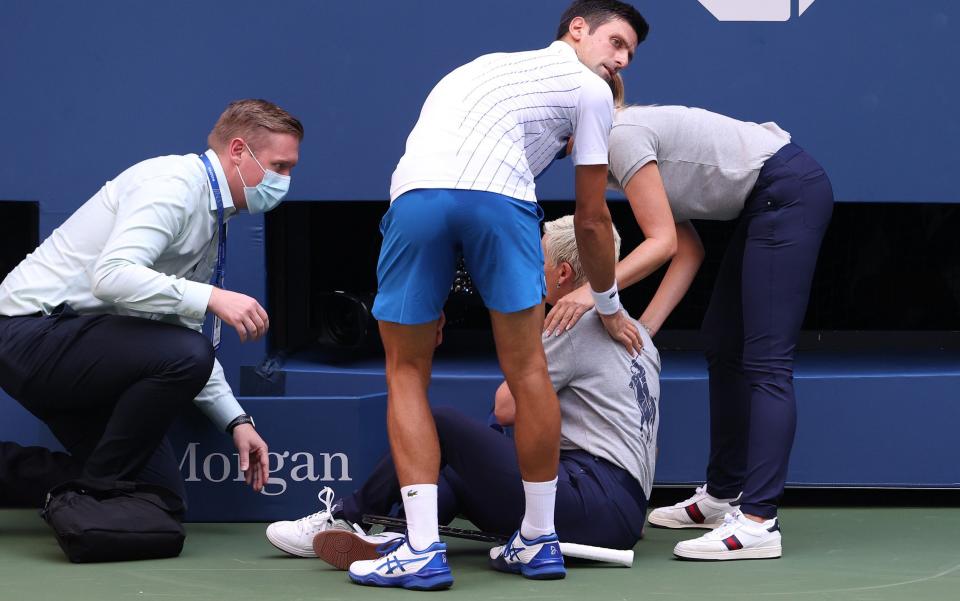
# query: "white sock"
538,515
420,505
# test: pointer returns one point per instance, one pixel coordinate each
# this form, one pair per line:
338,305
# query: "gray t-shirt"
709,163
609,401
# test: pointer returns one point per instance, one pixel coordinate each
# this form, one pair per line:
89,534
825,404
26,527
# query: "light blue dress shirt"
144,245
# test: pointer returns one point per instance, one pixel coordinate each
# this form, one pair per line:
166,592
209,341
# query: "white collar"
562,47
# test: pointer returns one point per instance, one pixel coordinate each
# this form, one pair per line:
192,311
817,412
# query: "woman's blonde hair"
562,245
619,92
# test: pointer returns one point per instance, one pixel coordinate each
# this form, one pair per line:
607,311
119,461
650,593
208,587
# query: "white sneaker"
406,567
296,537
737,538
538,559
340,548
702,510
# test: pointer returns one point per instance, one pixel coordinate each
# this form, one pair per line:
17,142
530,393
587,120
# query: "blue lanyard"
219,270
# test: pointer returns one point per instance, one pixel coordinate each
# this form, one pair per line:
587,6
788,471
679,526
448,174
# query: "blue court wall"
87,88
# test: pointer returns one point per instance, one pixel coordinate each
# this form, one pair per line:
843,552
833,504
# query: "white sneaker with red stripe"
738,537
702,510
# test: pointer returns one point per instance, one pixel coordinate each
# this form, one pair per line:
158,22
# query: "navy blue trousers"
108,387
597,503
751,328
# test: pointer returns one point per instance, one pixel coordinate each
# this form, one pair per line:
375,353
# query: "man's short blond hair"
561,245
250,119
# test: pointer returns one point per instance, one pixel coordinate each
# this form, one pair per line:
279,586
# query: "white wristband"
607,302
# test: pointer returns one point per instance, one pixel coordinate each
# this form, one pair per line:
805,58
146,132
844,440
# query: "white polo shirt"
144,245
498,122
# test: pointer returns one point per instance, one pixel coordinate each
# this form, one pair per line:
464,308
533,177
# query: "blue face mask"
268,193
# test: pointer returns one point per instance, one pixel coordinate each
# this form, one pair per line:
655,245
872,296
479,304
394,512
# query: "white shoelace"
731,523
323,519
699,494
318,521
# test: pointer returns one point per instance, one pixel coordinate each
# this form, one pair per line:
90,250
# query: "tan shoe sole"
340,548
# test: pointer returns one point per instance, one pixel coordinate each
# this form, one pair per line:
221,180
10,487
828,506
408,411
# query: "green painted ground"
835,554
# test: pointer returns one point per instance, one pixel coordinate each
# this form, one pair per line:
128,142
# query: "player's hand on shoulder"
622,329
568,311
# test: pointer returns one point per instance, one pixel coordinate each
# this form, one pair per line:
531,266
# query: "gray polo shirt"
709,163
609,401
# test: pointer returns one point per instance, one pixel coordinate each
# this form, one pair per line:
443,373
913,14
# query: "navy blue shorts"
426,230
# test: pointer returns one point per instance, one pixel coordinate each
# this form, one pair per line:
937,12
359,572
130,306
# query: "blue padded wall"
862,422
315,441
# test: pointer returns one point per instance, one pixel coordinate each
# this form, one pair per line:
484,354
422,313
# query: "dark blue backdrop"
89,88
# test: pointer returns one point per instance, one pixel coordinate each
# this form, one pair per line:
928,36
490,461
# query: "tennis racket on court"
623,557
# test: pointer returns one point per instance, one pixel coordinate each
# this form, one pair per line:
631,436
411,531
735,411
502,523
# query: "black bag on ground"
115,521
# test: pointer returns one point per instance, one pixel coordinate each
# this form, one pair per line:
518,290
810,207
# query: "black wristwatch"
240,419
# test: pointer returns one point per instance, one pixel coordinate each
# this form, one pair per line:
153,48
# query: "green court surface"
829,553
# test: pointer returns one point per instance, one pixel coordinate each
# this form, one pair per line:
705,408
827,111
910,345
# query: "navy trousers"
751,328
597,503
108,387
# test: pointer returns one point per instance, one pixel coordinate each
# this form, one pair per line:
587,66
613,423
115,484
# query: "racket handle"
622,557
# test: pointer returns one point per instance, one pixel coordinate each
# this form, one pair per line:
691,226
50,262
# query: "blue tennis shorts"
426,230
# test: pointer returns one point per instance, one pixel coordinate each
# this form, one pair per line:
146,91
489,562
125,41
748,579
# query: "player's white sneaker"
296,537
737,538
702,510
539,559
340,548
404,566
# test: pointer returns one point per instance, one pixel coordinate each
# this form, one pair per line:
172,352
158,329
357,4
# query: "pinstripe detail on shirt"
537,56
507,98
547,150
538,68
501,101
496,123
487,133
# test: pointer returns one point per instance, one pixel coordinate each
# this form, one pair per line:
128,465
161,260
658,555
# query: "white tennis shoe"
737,537
406,567
296,537
702,510
538,559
